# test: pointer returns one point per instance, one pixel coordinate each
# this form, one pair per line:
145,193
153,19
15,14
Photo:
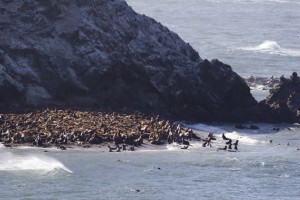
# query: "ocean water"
258,170
256,37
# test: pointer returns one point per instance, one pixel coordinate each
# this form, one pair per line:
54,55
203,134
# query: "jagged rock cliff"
102,53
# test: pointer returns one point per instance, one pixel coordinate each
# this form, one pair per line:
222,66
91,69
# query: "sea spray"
272,47
14,162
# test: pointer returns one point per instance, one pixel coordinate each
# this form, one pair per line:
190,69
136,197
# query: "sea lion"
235,147
229,142
119,148
236,142
62,147
132,148
223,149
111,148
185,147
185,142
7,145
211,136
139,141
224,137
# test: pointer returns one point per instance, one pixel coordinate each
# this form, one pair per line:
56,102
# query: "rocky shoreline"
82,56
63,128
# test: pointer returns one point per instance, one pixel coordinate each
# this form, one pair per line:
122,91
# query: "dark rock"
83,53
253,127
284,100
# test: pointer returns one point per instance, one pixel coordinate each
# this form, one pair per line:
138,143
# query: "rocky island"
90,71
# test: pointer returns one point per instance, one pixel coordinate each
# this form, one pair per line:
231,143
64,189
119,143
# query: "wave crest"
272,47
13,162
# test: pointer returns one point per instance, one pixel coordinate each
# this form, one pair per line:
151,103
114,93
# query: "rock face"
284,99
102,53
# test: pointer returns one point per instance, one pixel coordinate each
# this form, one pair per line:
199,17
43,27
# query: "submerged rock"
102,53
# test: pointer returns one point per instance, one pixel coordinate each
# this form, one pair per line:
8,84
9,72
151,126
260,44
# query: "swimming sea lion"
224,149
224,137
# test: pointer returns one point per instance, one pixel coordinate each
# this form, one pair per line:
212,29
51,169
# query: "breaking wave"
13,162
272,47
246,139
208,128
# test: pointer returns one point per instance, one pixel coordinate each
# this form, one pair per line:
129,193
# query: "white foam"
13,162
245,139
259,87
204,127
272,47
174,146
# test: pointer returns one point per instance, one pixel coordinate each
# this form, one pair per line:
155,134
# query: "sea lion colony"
66,127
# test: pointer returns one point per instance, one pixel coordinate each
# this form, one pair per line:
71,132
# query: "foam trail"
272,47
12,162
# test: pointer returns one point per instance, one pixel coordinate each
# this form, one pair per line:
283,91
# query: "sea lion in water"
185,142
7,145
229,141
224,137
132,148
206,143
236,142
62,147
185,147
211,136
139,141
223,149
119,149
111,148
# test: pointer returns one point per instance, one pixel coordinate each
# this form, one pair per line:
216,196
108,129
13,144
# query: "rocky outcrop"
102,53
284,99
281,105
266,83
